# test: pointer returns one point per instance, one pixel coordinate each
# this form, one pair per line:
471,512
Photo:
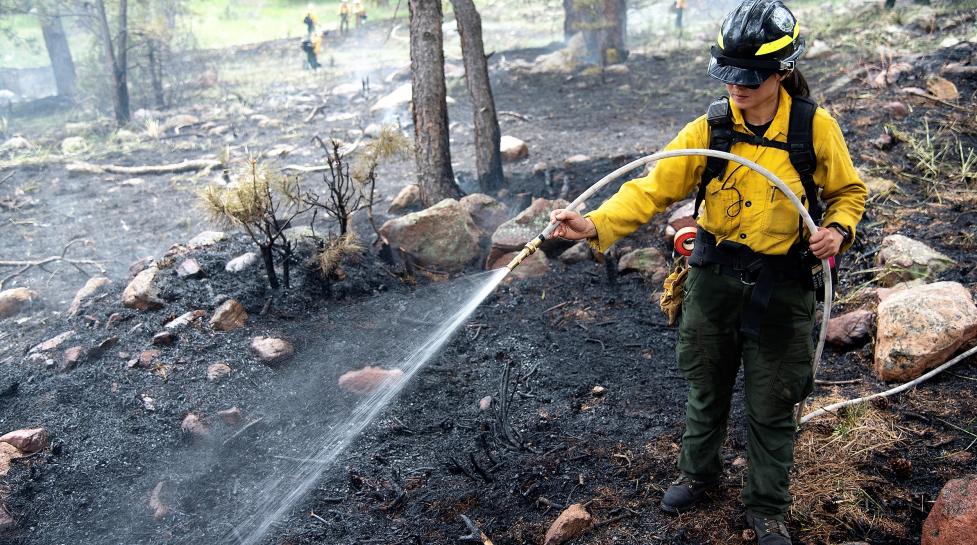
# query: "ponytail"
795,84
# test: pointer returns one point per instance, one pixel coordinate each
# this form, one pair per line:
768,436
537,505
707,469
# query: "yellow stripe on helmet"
720,41
779,43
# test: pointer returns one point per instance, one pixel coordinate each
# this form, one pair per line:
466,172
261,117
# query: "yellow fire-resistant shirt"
742,206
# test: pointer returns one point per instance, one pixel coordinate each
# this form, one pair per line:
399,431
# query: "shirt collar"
781,120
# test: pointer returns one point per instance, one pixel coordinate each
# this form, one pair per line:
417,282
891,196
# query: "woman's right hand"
572,226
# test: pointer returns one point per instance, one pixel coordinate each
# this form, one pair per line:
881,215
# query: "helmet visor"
737,76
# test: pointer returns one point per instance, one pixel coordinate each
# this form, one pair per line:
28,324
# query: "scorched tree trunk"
431,149
59,52
488,159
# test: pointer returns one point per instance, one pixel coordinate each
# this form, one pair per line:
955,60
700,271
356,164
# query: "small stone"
189,268
164,338
408,198
27,440
7,521
86,293
229,316
194,427
142,293
71,357
231,417
739,461
102,347
206,238
369,379
617,70
184,320
572,522
896,109
241,262
145,359
270,350
113,320
851,328
598,391
485,403
148,403
53,342
8,452
577,159
884,141
512,148
14,300
156,504
217,371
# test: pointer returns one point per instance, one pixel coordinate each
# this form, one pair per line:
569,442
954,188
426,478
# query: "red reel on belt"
685,241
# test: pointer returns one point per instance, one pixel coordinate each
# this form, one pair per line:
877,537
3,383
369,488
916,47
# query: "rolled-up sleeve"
842,190
640,199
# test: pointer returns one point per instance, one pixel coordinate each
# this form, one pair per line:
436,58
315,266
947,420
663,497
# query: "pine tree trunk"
60,54
488,158
603,24
156,72
117,62
431,149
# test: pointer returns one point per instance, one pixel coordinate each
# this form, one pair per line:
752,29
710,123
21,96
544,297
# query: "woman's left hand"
826,242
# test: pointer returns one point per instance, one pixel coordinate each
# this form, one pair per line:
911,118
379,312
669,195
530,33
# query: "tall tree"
603,24
431,148
116,51
59,52
488,158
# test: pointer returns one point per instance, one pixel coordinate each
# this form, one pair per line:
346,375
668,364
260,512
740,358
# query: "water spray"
535,243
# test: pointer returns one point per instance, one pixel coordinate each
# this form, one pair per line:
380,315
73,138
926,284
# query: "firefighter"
344,17
312,47
310,21
359,10
750,298
679,11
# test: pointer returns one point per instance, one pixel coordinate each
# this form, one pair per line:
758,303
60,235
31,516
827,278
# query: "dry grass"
833,496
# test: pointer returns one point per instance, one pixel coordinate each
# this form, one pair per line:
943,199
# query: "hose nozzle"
527,251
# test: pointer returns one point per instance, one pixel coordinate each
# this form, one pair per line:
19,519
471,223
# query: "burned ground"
434,455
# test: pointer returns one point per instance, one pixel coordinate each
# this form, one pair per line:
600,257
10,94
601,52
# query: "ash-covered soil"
434,455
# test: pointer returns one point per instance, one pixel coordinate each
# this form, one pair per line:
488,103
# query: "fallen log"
185,166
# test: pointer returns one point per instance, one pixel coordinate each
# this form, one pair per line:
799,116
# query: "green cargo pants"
777,370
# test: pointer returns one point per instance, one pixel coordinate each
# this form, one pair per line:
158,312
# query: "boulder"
572,522
905,259
241,262
369,379
229,316
512,148
896,109
578,253
408,198
27,440
271,350
86,293
442,237
953,518
487,213
217,371
206,238
14,300
73,145
399,98
883,293
648,261
562,61
179,121
617,70
8,452
15,143
850,328
535,265
189,268
142,292
515,233
920,328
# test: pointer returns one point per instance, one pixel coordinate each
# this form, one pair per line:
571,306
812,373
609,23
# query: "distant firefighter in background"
360,11
310,21
679,11
344,17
